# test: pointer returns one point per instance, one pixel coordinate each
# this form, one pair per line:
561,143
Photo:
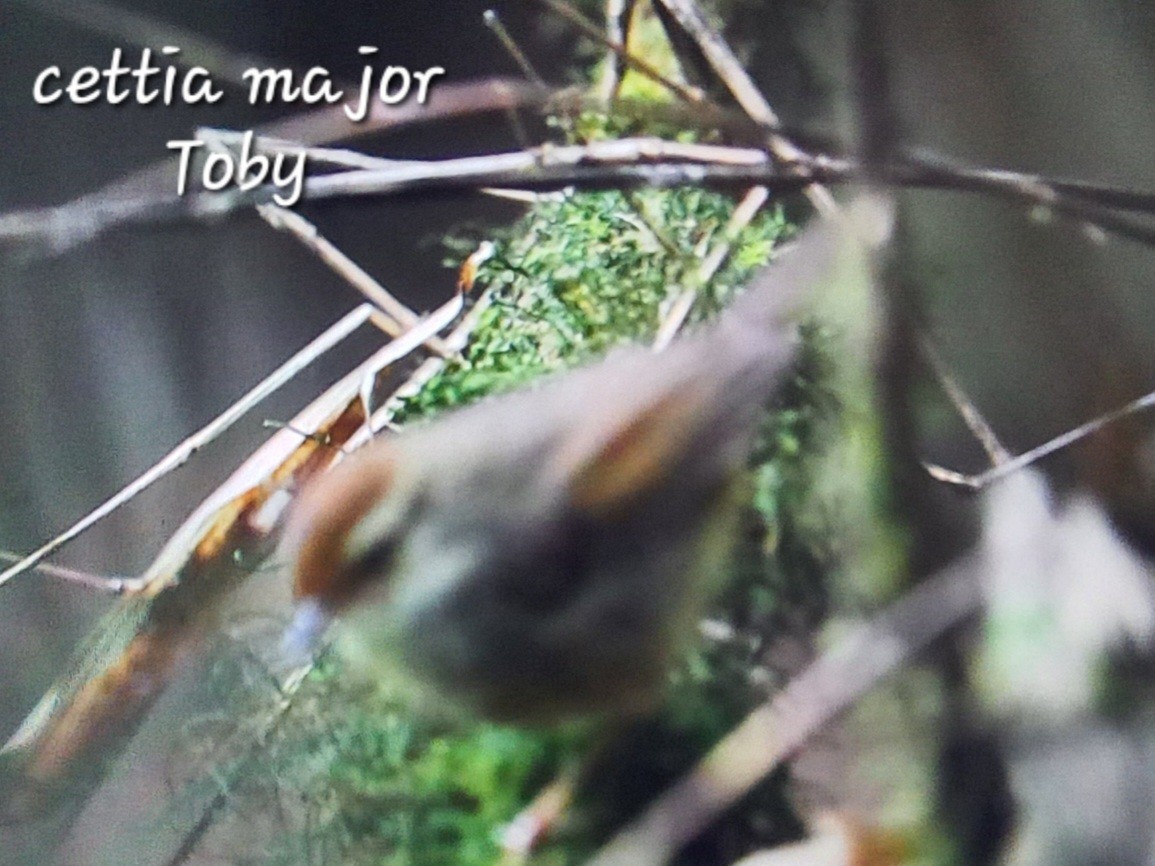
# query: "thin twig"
398,318
429,368
176,458
746,210
493,22
619,15
776,731
726,66
553,165
632,162
981,480
1091,203
345,158
966,408
87,579
335,156
164,567
624,163
689,94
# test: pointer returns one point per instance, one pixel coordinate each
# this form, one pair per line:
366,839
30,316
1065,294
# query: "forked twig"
726,66
397,317
1001,470
691,95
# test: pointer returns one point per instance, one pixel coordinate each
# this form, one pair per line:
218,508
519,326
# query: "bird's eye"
561,561
378,560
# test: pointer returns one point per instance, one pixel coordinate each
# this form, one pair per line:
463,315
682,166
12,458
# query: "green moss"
573,278
582,274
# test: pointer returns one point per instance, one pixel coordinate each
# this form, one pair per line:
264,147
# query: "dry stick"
970,414
619,14
620,163
1045,190
773,733
1091,203
186,537
726,66
608,164
335,156
60,572
456,341
176,458
643,220
689,94
1096,204
342,158
746,210
522,167
493,22
149,195
469,174
398,318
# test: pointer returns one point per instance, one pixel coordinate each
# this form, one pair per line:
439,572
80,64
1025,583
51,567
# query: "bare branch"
980,429
493,22
106,583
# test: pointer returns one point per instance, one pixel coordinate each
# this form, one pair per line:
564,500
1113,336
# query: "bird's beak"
305,635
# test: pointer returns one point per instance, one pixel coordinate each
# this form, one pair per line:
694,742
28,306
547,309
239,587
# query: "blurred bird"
545,554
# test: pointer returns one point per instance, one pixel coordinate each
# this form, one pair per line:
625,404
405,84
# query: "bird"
544,555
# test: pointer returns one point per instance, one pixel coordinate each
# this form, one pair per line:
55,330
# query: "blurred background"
115,350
